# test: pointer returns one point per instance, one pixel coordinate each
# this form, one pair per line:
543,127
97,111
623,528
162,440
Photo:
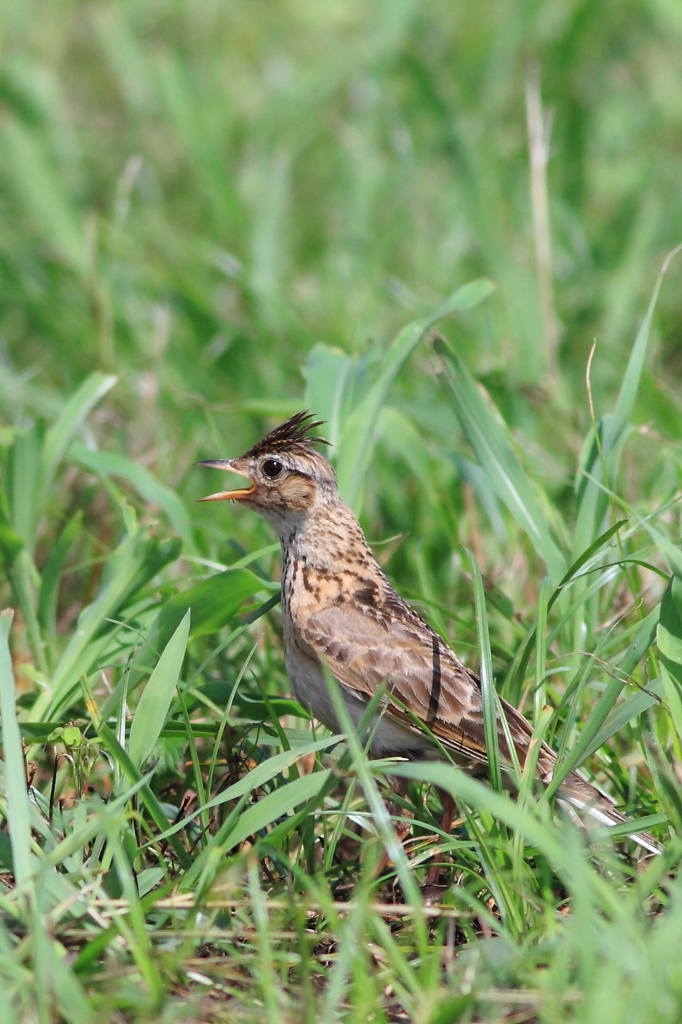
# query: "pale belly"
311,691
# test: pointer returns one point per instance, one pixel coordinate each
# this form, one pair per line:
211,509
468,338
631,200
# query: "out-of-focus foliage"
199,192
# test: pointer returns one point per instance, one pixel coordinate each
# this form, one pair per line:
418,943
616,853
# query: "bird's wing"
366,646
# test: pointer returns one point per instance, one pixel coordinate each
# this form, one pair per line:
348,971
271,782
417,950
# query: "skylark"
340,611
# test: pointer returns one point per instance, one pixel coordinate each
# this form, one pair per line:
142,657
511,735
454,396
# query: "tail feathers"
589,798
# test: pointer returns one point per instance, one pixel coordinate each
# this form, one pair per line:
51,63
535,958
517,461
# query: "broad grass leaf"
355,445
54,975
613,429
276,804
326,373
485,800
630,827
15,773
52,571
258,776
399,434
673,693
24,480
10,541
134,562
669,633
71,419
452,1009
35,454
475,475
669,640
634,654
625,712
249,822
144,482
490,443
213,602
152,708
668,551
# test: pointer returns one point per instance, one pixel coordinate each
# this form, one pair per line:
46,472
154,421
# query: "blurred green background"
195,195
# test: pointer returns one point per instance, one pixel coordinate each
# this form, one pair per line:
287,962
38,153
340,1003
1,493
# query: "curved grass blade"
491,445
585,557
624,713
576,870
15,776
70,420
213,602
355,445
276,804
144,482
541,649
134,562
635,652
492,744
669,641
239,827
613,429
51,575
152,709
258,776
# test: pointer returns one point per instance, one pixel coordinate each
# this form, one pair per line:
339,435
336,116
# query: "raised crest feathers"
293,433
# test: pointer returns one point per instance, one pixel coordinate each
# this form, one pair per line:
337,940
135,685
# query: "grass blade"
635,652
254,819
585,557
546,838
258,776
326,373
132,564
213,602
492,744
382,818
145,483
51,575
624,713
356,440
15,776
541,649
613,428
70,420
156,811
492,448
152,709
669,641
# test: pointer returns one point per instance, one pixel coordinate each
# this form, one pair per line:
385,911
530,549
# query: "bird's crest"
294,433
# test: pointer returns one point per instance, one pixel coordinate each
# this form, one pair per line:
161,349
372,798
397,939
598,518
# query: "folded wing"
365,646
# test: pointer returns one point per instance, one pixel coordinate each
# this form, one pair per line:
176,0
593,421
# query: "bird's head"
287,477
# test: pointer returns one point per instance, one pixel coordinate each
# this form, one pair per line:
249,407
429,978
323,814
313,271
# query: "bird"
340,613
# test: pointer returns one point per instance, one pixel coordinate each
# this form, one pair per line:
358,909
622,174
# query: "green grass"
214,215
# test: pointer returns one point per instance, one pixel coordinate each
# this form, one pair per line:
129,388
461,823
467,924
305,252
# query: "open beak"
237,495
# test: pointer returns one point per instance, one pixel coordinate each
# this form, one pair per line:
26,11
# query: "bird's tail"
589,799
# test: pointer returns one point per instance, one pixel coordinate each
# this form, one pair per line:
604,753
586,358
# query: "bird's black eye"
272,468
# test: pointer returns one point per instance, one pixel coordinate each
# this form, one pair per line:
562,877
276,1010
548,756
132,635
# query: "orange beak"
237,495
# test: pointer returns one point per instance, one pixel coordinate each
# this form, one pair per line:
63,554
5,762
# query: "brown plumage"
340,611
